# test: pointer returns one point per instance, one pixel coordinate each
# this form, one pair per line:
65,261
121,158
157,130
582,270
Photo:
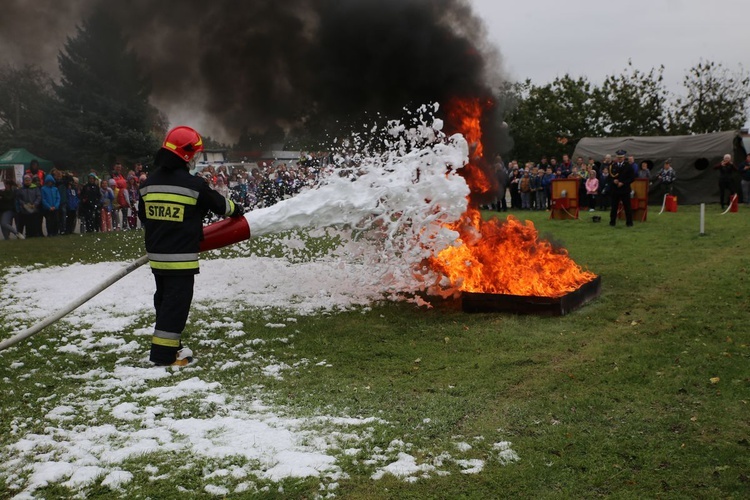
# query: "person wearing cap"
172,207
621,176
667,176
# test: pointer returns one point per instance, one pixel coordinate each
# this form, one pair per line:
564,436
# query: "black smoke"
259,64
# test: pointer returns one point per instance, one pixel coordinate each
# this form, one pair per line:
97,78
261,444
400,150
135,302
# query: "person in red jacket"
36,173
172,207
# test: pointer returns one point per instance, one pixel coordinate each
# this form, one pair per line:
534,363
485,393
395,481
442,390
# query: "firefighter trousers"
172,299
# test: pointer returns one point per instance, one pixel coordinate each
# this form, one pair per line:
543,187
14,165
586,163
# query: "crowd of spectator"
264,185
61,202
56,203
529,186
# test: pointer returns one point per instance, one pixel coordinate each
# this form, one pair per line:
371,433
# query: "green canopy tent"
16,161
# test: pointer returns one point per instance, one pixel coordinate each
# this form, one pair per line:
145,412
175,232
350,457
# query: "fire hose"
663,204
732,200
216,235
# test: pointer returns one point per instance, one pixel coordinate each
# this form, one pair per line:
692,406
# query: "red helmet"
184,142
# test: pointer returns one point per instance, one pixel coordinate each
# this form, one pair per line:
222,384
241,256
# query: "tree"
715,100
107,114
551,119
22,94
634,103
27,104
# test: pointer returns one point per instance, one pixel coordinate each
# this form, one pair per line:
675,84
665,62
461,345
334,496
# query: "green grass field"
642,393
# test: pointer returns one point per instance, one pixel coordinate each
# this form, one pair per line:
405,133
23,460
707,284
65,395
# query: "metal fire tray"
472,302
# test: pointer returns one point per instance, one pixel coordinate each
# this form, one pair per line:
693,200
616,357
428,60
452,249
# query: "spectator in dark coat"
726,181
28,205
622,176
90,205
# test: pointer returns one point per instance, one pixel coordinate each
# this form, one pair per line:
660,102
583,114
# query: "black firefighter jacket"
172,207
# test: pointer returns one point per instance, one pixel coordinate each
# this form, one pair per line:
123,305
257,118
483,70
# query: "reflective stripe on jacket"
172,207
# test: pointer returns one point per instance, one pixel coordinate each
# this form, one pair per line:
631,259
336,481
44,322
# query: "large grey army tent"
16,161
693,158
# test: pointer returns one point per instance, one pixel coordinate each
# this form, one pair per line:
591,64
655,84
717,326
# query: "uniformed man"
173,205
621,175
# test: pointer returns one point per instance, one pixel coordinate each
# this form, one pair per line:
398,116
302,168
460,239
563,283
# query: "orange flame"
503,257
465,116
508,257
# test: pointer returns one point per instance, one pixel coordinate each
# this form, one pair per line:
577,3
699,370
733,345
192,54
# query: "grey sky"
543,39
538,39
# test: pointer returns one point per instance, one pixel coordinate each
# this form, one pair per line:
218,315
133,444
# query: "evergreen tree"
107,114
27,107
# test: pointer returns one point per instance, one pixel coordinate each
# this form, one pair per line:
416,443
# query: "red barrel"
733,205
670,204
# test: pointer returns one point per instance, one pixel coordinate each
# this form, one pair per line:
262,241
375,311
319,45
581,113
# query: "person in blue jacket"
50,204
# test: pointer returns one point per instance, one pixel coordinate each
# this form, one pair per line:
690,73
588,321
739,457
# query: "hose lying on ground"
73,305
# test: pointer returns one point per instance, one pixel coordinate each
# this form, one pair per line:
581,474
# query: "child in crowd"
525,189
50,204
547,186
134,196
73,203
105,200
539,193
122,200
604,189
114,213
592,188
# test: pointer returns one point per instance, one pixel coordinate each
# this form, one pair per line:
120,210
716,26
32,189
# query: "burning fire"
503,257
465,116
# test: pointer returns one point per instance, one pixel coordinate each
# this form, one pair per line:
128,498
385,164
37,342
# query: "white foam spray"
401,199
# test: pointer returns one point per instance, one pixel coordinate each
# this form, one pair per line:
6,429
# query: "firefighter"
621,175
173,204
